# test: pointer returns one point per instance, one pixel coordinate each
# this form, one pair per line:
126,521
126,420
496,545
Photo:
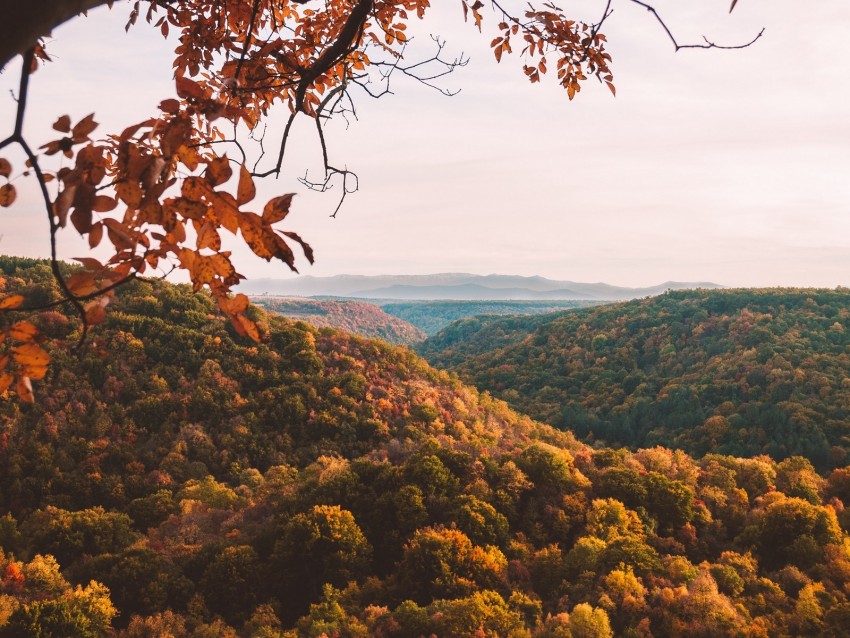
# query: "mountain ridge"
437,286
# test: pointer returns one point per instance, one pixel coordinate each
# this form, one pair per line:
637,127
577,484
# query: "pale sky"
724,166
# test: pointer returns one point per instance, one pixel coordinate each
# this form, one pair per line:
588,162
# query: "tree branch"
25,21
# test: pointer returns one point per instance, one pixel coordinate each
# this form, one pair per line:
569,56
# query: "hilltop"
364,319
743,372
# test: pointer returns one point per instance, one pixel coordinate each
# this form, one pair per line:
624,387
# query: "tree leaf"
23,331
246,190
32,358
7,195
63,124
95,235
189,89
278,208
130,193
82,128
218,171
5,167
11,302
308,251
254,234
24,389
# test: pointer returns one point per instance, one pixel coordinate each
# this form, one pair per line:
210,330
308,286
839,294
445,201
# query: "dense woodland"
359,317
174,480
741,372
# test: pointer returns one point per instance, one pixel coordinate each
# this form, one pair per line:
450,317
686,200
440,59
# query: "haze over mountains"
455,286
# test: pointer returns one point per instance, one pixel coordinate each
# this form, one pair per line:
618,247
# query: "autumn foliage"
160,193
199,484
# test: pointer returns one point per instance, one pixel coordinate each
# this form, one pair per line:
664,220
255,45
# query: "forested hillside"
359,317
173,480
433,316
742,372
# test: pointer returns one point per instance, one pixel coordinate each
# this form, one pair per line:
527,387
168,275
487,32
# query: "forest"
433,316
175,479
741,372
359,317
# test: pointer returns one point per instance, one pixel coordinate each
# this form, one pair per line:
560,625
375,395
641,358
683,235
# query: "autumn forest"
173,479
552,460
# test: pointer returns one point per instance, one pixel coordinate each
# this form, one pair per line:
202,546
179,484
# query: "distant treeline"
433,316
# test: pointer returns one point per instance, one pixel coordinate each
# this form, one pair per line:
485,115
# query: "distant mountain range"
455,286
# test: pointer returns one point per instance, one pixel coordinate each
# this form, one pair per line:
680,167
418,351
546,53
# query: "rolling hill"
174,480
364,319
742,372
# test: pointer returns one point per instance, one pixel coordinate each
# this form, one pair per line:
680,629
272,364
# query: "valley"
175,479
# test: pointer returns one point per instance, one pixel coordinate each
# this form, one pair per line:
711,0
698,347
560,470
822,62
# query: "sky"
709,165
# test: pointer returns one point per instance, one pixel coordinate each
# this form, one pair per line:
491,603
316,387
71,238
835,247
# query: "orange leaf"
189,89
63,203
95,235
96,311
32,358
170,106
104,203
7,195
5,167
218,171
82,283
249,328
254,234
208,237
23,331
226,211
10,302
63,124
308,251
277,209
246,191
82,128
130,193
81,219
195,188
89,263
24,390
